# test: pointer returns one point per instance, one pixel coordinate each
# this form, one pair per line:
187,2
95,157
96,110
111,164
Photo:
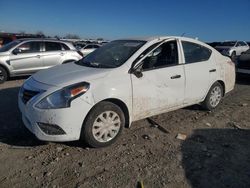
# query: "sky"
209,20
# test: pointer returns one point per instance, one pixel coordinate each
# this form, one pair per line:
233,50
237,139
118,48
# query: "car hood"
67,74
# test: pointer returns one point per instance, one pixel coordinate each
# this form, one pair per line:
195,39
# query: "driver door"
26,58
162,83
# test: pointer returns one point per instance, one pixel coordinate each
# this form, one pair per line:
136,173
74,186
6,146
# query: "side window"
65,47
29,47
195,53
242,44
52,46
88,47
163,56
95,46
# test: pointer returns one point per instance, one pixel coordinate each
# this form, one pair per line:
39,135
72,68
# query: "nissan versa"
121,82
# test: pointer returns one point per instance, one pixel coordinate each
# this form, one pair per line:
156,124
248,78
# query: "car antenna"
183,34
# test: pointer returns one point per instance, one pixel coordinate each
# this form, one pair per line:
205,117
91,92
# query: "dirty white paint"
153,93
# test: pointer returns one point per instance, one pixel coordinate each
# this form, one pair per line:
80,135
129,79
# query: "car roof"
42,39
147,39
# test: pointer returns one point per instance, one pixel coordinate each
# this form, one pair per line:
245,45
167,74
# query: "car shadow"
217,158
12,130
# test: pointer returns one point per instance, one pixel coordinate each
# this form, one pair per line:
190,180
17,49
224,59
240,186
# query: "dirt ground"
216,152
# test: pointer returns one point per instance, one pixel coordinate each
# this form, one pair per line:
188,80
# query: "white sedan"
89,48
121,82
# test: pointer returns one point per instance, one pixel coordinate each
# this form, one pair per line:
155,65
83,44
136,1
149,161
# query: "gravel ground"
215,152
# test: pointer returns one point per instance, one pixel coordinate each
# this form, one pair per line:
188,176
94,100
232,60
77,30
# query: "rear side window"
29,47
195,53
52,46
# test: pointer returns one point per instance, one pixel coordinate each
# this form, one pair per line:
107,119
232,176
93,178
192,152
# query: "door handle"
212,70
38,56
175,77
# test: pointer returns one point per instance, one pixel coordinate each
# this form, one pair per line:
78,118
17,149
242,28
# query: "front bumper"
70,120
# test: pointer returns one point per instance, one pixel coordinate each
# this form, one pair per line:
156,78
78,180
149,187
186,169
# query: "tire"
3,75
96,131
213,97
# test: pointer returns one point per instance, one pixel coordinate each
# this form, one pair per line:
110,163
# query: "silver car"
26,56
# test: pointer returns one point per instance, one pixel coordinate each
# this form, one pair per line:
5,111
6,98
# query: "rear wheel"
213,97
103,125
3,75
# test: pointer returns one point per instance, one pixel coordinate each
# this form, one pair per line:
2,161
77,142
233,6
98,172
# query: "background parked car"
9,37
232,48
26,56
243,64
89,48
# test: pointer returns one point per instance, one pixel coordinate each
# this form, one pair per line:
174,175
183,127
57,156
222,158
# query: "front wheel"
103,125
213,97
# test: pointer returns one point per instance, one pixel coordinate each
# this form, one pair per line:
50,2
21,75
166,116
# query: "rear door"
53,54
200,71
26,58
161,86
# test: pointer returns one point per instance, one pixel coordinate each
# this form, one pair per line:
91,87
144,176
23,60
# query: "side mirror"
137,72
16,51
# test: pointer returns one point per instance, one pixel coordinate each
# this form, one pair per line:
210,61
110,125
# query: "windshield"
228,43
112,55
10,45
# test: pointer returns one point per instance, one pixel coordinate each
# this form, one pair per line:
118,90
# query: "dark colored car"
243,64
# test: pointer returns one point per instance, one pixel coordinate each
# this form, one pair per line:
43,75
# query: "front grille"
28,94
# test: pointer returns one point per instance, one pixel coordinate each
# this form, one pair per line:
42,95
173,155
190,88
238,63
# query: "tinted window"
112,55
29,47
242,44
145,52
65,47
52,46
164,55
10,45
195,52
95,46
88,47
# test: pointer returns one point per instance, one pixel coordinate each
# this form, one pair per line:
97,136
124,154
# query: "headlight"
62,98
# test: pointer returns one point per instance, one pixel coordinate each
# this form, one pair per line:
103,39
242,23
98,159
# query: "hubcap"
216,96
106,126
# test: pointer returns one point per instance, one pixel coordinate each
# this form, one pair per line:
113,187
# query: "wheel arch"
6,69
123,107
117,102
222,84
